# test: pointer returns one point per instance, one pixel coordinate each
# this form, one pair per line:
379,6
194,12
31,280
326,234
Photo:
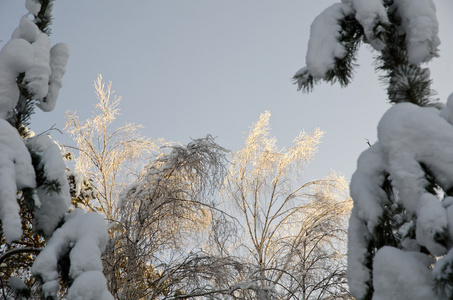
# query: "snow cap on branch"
28,52
15,57
53,187
409,135
372,15
419,23
33,6
59,55
400,275
414,145
16,172
324,45
84,235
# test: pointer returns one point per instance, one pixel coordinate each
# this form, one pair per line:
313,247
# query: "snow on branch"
414,154
52,183
16,173
419,23
198,164
84,236
372,15
59,55
28,56
334,38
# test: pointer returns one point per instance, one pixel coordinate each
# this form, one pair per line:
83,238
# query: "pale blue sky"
188,68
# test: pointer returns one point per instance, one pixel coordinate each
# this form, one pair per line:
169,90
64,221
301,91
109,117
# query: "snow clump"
16,173
324,45
29,53
84,236
411,140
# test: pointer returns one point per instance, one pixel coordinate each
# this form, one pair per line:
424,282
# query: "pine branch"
351,36
44,18
50,186
406,82
20,116
304,80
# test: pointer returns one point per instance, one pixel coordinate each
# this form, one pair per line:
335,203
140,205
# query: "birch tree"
109,157
293,231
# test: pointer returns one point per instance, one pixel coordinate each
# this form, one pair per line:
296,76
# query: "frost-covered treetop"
405,32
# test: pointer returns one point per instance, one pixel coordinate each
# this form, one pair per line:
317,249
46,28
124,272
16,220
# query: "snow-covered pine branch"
403,32
414,152
84,236
402,188
34,190
334,38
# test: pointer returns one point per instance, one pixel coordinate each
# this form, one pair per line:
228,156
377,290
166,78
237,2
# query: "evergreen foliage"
406,82
44,17
20,255
37,172
343,71
399,63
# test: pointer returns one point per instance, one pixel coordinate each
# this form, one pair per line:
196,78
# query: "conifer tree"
34,190
401,227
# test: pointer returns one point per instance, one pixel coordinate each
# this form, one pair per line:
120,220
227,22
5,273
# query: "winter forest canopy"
184,221
116,215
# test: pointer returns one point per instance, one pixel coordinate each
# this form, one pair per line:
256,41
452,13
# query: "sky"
185,69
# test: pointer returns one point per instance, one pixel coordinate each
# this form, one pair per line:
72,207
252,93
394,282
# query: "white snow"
408,135
16,172
447,203
85,236
33,6
37,75
366,185
323,45
27,30
432,219
399,275
90,285
17,284
53,205
443,268
419,22
371,14
79,179
358,237
59,55
29,52
447,111
38,72
15,57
